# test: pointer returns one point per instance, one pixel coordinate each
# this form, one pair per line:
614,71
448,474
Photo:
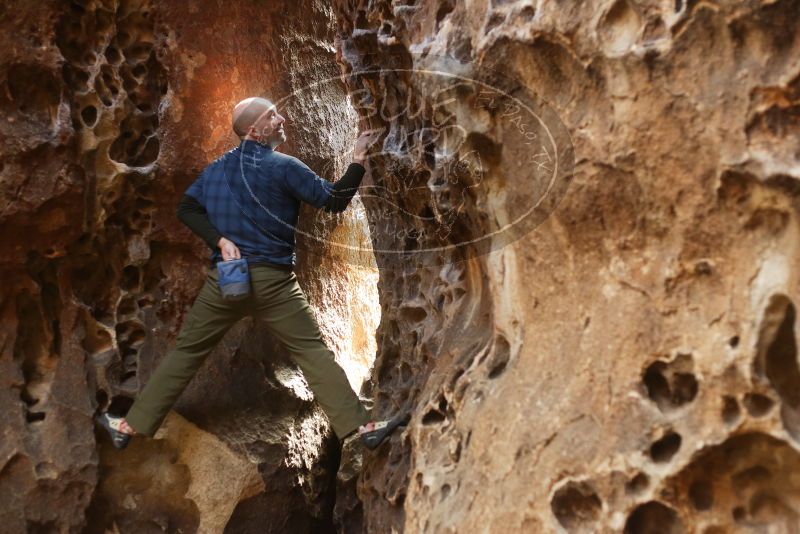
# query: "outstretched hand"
365,140
229,250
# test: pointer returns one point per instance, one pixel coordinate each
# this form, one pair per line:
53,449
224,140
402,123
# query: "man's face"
269,128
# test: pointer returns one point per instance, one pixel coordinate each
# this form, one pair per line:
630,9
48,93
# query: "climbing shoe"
113,426
380,430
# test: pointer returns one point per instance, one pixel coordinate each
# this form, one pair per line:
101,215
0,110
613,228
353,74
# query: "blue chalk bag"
234,279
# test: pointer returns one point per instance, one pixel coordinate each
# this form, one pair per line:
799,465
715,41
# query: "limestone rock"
630,363
622,359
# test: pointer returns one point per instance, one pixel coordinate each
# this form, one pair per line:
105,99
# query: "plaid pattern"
279,181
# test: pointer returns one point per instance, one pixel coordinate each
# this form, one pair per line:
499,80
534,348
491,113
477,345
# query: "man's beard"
271,141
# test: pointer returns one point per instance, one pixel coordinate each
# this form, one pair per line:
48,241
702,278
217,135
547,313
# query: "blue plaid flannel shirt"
279,181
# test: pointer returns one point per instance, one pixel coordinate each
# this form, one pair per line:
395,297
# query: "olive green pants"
279,303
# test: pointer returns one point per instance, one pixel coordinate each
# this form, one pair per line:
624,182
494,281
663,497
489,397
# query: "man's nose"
281,119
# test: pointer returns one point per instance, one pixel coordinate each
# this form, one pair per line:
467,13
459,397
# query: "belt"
280,266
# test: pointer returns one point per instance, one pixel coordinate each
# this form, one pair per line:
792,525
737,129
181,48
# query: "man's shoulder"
217,163
222,157
285,159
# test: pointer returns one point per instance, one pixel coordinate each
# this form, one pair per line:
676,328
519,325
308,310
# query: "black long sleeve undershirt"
345,189
192,213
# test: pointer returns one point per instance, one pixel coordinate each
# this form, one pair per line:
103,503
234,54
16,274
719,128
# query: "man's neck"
252,140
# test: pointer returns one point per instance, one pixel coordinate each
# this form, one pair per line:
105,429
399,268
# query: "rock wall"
631,363
628,362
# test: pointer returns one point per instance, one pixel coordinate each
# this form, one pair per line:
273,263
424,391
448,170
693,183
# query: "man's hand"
365,140
228,249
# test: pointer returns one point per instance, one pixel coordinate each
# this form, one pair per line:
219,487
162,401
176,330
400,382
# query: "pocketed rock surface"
627,364
631,363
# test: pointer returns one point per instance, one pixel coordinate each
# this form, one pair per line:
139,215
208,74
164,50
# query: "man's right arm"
194,215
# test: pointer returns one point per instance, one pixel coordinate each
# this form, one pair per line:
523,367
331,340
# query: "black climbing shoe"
111,424
375,437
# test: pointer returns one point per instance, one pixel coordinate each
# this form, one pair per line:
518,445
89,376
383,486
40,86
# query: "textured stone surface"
631,364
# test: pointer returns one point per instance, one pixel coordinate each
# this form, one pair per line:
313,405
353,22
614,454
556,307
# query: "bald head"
247,112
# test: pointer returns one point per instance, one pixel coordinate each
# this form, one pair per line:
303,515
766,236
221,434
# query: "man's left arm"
305,185
192,213
345,188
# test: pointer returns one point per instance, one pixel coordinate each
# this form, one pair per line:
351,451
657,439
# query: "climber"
224,207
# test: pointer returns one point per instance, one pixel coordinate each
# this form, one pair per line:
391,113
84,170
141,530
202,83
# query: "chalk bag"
234,279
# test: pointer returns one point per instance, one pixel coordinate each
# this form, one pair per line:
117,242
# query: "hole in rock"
34,417
127,305
757,404
500,354
102,92
445,9
527,14
445,491
413,314
89,116
620,27
432,417
653,517
744,473
146,301
113,55
495,19
776,358
701,495
130,85
576,505
130,278
739,513
653,30
436,415
730,410
128,375
637,484
665,448
133,148
81,77
671,384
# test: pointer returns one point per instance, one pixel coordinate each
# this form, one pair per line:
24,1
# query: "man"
246,204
